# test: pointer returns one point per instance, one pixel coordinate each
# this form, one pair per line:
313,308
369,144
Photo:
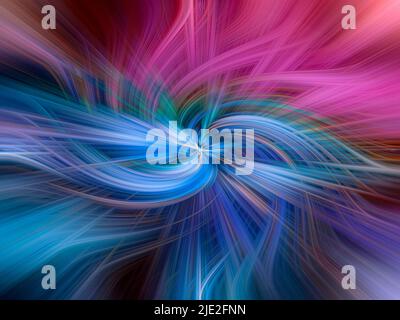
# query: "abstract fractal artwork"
199,149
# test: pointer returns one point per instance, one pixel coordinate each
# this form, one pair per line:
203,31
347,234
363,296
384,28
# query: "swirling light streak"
77,192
